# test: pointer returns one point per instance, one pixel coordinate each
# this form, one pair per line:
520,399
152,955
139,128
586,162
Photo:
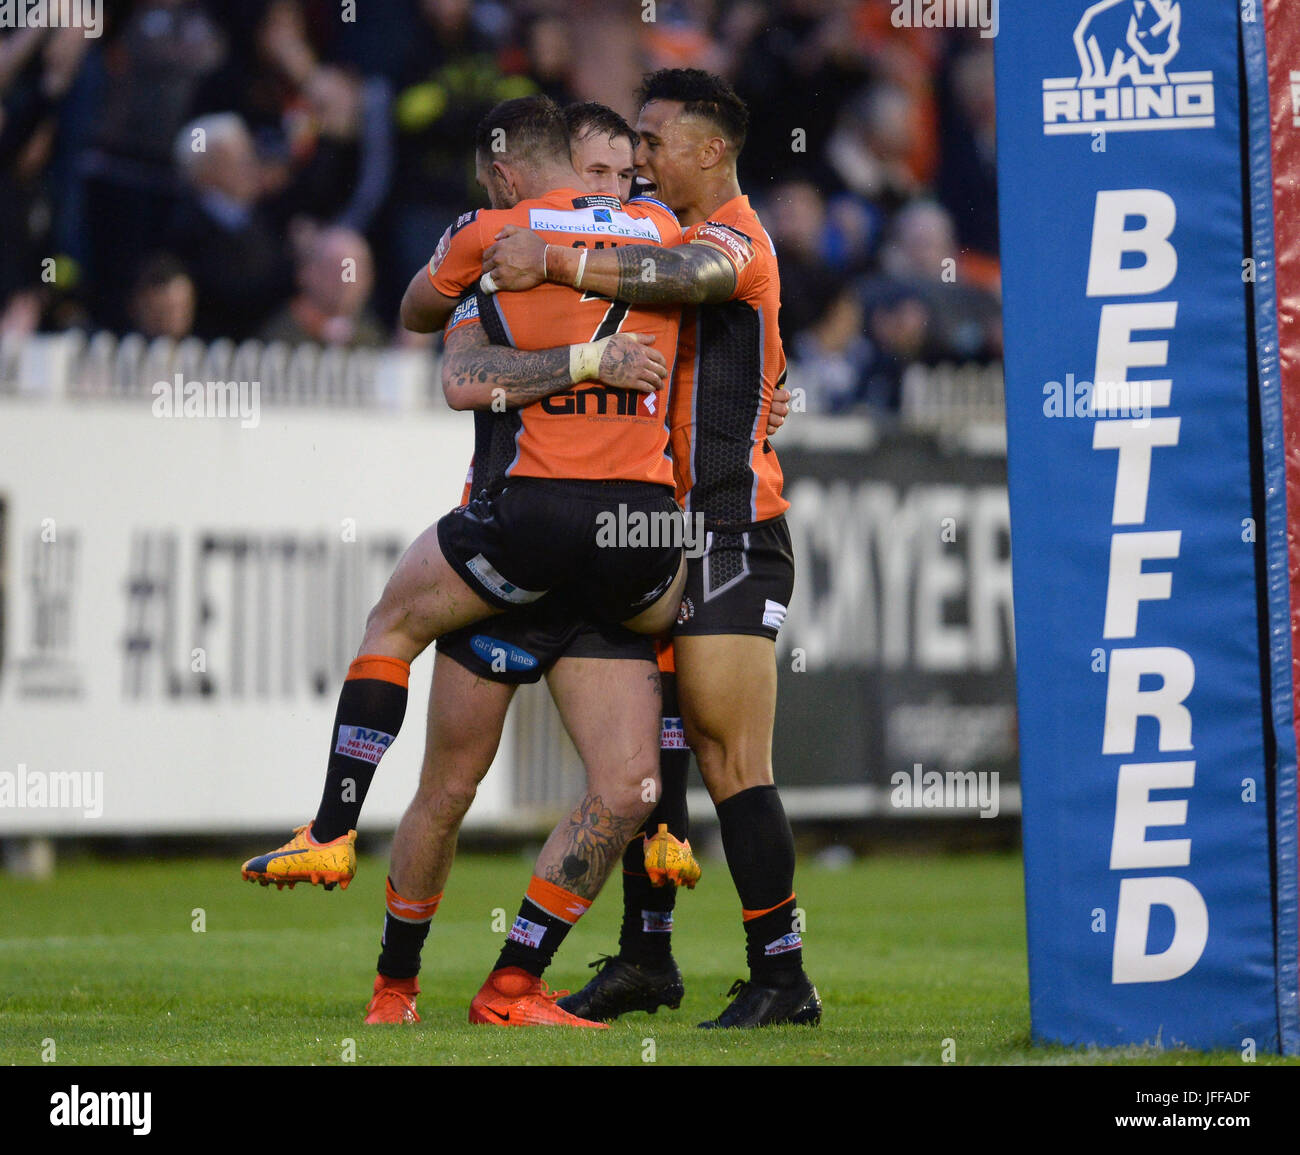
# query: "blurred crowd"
208,167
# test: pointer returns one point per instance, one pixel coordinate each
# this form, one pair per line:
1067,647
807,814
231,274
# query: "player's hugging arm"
424,309
479,375
646,274
692,274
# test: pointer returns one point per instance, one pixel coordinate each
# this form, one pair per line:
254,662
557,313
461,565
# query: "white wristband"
584,360
545,250
582,264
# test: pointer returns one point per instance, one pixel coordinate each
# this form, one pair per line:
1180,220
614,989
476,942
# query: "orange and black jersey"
729,361
590,431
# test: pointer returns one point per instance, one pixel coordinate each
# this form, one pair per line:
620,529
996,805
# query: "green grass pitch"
106,961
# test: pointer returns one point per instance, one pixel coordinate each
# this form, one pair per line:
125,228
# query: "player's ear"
713,151
504,180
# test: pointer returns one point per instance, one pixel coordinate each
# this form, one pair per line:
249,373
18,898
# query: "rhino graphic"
1133,38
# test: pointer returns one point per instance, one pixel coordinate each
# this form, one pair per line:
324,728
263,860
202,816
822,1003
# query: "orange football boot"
511,997
394,1001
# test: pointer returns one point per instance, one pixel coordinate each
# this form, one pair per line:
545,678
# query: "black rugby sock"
760,854
371,707
646,935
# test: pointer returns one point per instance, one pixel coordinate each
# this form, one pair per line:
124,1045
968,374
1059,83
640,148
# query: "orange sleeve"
457,262
735,246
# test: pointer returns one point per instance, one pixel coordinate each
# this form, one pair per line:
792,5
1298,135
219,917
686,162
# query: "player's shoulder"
735,230
737,218
564,200
456,235
460,224
562,210
649,206
596,215
464,219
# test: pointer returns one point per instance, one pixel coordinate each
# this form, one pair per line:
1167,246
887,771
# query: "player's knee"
729,771
631,789
644,795
379,621
447,802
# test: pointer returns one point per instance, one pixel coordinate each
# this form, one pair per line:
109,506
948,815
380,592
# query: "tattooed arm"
649,275
692,274
479,375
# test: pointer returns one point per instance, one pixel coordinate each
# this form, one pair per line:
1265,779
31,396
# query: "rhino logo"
1133,38
1134,41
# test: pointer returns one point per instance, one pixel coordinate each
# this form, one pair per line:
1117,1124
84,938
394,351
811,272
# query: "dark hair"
157,270
589,117
701,94
531,128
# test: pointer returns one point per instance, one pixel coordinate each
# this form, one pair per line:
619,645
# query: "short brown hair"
531,129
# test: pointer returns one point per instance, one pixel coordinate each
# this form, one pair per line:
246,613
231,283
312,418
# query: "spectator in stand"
854,355
871,151
550,57
898,321
832,355
335,278
345,160
795,216
701,34
920,256
910,59
231,245
452,76
322,130
163,298
819,245
37,69
967,183
795,72
154,67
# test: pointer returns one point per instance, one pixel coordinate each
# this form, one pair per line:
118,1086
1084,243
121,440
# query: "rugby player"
476,670
534,495
467,710
692,127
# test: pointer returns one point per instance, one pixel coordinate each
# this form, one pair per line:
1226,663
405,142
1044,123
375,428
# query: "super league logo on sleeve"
1123,48
466,310
728,240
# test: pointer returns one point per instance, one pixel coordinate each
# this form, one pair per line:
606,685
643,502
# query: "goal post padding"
1142,633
